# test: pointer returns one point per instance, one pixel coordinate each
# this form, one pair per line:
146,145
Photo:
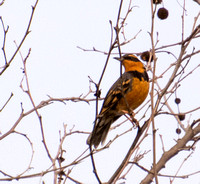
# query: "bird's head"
131,63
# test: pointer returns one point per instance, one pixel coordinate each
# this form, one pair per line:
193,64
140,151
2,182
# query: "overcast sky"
58,68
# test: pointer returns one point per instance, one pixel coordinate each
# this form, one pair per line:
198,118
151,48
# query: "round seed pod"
177,100
178,130
145,56
181,116
157,1
162,13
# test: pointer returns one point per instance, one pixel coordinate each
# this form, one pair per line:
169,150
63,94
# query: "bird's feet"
131,118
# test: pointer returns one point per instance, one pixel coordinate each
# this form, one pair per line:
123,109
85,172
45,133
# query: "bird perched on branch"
125,95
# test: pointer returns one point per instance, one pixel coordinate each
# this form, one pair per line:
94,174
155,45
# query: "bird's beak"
119,59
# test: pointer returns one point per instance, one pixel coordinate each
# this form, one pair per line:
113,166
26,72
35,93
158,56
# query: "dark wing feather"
108,112
124,83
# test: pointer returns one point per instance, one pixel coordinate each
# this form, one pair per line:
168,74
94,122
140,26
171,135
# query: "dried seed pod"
97,93
162,13
177,100
178,130
157,1
145,56
181,116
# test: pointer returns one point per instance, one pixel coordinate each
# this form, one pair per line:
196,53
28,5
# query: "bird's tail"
100,131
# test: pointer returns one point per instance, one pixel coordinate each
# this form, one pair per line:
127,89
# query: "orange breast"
135,97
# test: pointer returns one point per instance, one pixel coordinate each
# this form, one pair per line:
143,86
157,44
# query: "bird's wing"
116,92
108,112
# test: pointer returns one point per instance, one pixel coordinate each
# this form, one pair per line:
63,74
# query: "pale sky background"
56,67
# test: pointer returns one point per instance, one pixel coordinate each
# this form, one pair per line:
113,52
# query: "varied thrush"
125,95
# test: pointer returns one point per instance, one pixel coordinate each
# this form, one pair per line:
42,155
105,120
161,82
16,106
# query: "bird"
124,96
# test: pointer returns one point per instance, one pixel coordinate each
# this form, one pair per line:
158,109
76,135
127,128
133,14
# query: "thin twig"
153,10
21,43
6,102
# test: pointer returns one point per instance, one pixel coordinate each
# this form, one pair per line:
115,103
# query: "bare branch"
21,43
179,146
